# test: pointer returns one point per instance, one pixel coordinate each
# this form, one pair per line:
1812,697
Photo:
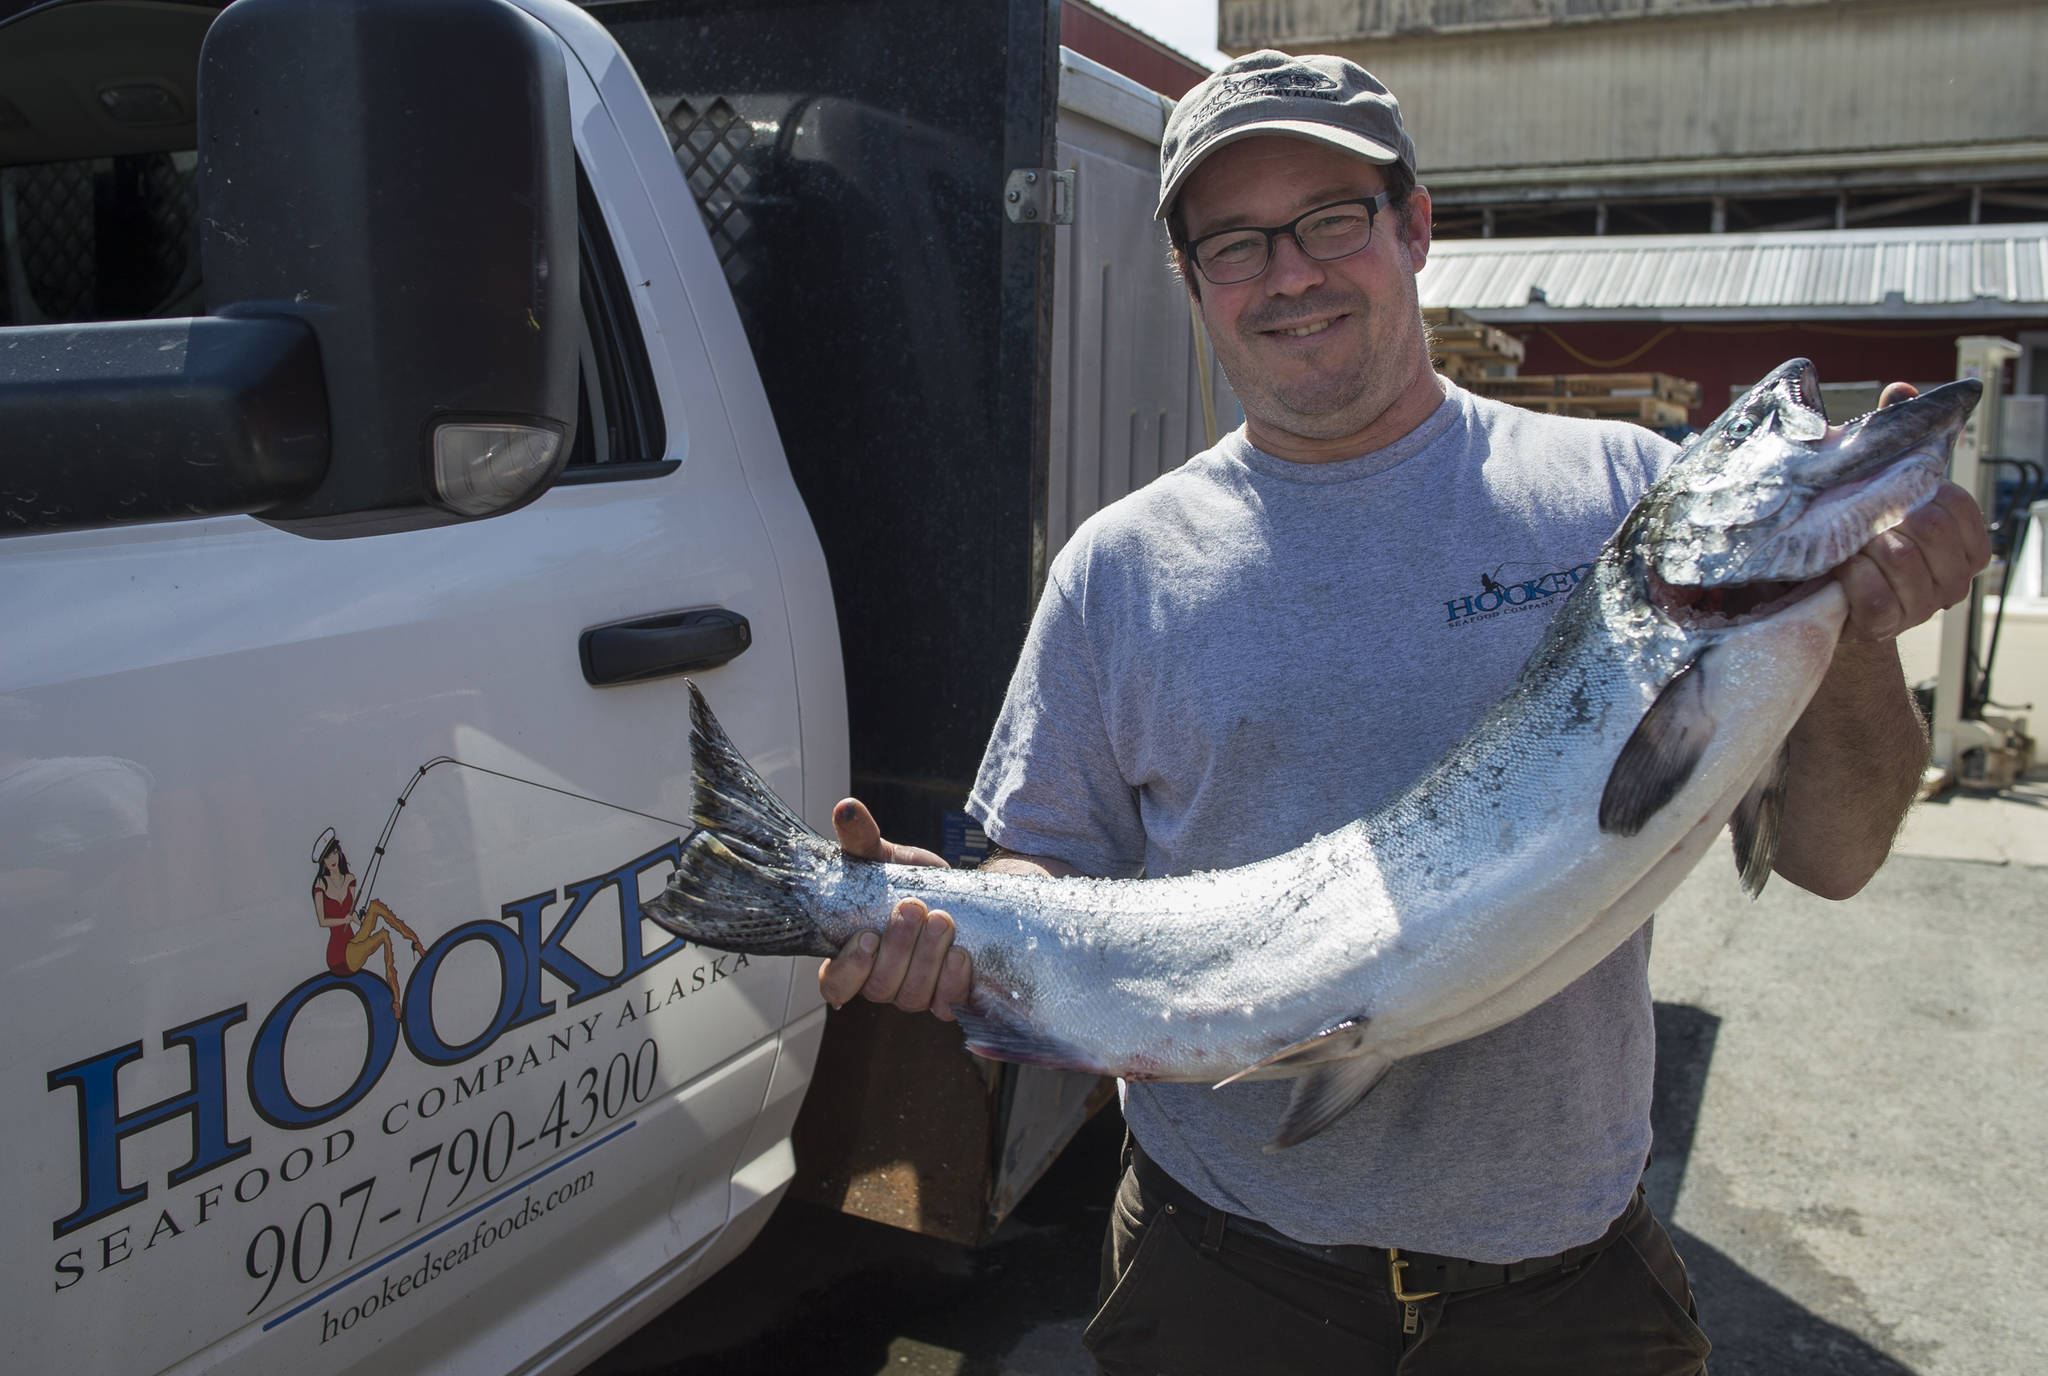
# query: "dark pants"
1186,1293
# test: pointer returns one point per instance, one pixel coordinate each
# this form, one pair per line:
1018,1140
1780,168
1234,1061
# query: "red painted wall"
1116,47
1720,356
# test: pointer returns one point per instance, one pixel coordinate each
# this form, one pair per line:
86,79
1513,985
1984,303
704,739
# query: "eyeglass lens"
1325,233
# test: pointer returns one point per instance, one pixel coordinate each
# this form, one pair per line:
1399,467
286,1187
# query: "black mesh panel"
709,143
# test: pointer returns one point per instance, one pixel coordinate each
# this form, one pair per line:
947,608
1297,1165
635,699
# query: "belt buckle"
1395,1266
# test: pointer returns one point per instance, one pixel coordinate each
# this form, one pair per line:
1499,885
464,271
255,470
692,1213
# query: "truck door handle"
671,643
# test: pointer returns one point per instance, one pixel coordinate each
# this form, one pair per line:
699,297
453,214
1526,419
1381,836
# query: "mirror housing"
387,202
156,420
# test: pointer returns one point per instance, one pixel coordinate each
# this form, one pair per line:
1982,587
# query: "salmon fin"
727,796
996,1031
1326,1094
740,882
1756,825
1337,1040
1662,753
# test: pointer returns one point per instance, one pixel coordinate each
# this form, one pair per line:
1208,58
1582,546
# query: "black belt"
1410,1275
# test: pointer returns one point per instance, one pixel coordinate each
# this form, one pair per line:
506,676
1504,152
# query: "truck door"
956,389
335,1038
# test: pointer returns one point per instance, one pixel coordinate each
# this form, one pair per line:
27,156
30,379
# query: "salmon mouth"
1729,604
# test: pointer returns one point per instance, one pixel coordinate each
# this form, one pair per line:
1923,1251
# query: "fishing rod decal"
357,934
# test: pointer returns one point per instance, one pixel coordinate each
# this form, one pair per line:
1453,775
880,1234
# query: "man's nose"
1291,271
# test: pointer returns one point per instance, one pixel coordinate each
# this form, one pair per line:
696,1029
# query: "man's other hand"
1925,563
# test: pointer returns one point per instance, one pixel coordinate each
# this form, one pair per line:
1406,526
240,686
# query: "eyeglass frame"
1292,229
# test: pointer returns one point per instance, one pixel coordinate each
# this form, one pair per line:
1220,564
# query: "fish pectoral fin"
1661,754
1755,825
996,1031
1326,1094
1336,1041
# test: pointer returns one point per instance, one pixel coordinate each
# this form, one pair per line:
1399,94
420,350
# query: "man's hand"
1925,563
913,963
1858,749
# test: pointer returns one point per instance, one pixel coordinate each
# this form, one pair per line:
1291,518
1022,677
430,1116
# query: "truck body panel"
1129,364
237,692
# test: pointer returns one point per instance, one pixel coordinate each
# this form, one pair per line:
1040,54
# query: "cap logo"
1296,81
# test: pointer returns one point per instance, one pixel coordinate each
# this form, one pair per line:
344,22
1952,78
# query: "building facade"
1550,117
1708,187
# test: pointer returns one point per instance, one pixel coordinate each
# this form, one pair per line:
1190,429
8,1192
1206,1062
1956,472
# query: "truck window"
116,238
618,422
109,238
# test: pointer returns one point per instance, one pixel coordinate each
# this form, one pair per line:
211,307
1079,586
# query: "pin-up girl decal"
349,947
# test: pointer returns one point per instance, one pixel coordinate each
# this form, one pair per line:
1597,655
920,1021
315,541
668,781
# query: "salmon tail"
744,874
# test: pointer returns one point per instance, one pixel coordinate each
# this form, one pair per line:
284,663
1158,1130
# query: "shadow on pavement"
1756,1330
821,1293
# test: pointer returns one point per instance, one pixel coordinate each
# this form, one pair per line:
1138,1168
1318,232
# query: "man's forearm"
1002,861
1857,756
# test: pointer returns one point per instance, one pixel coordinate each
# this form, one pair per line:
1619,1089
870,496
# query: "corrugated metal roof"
1945,271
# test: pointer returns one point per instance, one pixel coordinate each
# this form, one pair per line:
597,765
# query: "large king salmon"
1653,713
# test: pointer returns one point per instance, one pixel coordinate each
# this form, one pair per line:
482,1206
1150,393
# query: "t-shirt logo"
1498,596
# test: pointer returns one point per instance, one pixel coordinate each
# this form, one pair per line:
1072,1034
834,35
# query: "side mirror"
387,202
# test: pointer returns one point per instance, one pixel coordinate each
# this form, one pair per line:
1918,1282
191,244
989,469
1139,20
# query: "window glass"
116,238
618,420
110,238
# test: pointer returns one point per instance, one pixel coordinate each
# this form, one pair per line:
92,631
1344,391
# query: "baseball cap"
1326,99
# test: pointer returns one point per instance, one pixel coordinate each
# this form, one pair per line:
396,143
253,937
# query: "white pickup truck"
396,398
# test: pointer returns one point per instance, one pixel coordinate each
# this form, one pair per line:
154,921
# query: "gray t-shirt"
1249,652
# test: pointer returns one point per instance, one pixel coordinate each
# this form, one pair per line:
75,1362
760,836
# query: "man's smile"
1304,329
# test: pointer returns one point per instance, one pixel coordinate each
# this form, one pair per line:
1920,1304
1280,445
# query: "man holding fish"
1267,643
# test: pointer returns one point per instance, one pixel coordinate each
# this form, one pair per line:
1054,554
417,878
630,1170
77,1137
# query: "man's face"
1315,350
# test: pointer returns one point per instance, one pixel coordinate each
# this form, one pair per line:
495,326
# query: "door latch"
1039,196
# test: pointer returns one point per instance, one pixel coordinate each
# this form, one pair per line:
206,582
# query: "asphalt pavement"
1850,1119
1852,1106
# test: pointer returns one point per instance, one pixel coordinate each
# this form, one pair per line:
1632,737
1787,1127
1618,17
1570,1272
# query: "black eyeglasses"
1328,232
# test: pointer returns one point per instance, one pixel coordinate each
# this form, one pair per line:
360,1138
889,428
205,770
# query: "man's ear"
1416,227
